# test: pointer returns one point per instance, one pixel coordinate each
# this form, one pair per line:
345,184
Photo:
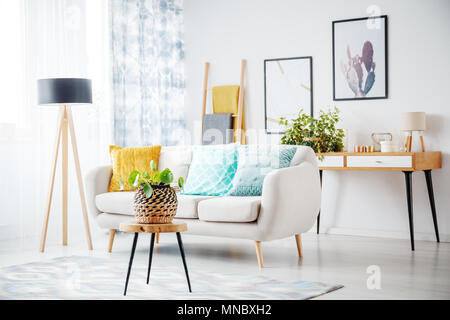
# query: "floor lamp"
64,92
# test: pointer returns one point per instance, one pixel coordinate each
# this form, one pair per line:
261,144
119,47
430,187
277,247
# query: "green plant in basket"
148,180
320,134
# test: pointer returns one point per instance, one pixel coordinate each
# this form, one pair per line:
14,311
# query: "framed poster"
288,87
360,65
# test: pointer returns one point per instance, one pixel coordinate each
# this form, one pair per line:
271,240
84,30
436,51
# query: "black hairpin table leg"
150,255
318,216
408,182
133,249
432,205
154,228
180,244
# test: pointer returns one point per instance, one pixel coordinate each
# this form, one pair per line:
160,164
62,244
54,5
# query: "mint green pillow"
211,171
254,163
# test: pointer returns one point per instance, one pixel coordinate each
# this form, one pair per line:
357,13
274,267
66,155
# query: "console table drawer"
379,161
332,161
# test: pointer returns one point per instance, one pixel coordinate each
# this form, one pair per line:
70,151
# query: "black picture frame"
385,96
310,58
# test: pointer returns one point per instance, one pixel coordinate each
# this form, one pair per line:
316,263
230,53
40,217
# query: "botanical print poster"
360,58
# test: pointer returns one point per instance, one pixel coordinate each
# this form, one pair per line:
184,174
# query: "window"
11,64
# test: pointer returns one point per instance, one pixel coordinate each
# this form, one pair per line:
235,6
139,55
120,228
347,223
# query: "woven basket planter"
161,207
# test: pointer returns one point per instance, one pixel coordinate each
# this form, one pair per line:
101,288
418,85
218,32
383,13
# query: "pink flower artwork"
359,70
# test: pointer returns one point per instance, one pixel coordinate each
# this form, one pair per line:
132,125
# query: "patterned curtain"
147,71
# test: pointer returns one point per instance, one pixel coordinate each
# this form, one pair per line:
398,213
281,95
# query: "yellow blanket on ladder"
225,99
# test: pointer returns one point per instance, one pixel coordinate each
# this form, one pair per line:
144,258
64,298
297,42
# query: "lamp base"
64,126
408,142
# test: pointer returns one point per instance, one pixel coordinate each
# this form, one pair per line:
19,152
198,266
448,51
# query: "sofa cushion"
211,171
254,163
122,203
116,202
126,160
188,205
177,159
230,209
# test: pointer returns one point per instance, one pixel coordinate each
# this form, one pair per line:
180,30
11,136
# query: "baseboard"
383,234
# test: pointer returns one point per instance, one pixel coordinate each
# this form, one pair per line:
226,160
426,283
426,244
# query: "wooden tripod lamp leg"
422,143
64,158
79,176
408,143
52,178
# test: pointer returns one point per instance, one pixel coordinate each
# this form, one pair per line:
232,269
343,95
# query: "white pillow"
177,159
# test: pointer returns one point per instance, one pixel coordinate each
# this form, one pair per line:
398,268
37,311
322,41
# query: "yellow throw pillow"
126,160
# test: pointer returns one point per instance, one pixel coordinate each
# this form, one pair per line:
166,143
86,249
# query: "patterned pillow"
254,163
212,170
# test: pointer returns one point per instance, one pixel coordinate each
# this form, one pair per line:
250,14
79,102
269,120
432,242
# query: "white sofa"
288,206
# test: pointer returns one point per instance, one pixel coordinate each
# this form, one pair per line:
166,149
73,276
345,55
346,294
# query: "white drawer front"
331,161
379,161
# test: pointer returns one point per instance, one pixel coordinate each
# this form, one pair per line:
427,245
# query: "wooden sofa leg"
112,233
259,254
157,237
298,239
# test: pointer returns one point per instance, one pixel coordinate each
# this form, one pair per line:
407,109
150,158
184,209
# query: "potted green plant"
155,201
320,134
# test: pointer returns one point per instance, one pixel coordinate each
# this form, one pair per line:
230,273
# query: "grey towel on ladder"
217,128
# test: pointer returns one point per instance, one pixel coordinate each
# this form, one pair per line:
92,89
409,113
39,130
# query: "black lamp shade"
64,90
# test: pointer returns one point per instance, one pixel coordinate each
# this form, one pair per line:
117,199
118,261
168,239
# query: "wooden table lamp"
64,92
410,122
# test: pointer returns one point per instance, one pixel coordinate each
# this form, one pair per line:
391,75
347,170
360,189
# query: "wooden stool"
153,229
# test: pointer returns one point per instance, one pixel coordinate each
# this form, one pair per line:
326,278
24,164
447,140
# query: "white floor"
423,274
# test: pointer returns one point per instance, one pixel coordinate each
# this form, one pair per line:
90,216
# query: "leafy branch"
153,178
320,134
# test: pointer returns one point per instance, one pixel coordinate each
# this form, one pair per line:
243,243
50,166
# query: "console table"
406,162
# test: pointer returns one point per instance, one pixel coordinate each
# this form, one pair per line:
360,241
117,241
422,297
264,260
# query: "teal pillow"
211,171
254,163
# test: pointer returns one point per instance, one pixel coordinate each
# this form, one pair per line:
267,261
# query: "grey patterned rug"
91,278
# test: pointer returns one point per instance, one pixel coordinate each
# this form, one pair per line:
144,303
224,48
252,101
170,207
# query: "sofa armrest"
290,201
97,182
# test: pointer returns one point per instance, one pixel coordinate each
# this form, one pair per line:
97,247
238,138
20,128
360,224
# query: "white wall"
366,203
